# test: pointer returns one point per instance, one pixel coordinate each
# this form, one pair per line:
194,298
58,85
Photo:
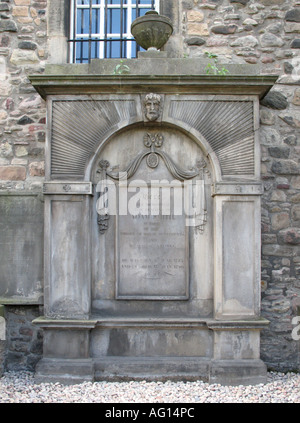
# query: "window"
101,28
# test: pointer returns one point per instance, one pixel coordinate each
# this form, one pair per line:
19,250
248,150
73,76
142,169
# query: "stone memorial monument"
152,222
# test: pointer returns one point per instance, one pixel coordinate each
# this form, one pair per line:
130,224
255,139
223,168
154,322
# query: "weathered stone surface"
246,41
269,136
267,117
6,150
289,236
272,2
280,221
27,45
295,43
275,100
195,16
195,28
290,140
270,40
12,173
25,120
291,27
293,15
278,250
20,11
224,29
195,41
296,98
244,2
296,213
250,21
24,344
285,167
4,7
30,103
291,120
37,169
8,25
278,195
21,151
23,57
279,152
216,41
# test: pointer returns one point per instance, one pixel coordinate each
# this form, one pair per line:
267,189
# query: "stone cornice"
92,84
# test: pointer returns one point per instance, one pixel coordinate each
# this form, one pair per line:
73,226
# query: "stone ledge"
237,188
68,188
92,84
242,324
62,324
21,301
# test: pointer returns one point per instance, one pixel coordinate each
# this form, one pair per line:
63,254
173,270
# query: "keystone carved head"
152,106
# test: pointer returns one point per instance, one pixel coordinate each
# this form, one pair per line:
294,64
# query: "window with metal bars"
101,28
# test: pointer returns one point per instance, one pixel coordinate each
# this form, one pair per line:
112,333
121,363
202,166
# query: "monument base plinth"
64,371
237,372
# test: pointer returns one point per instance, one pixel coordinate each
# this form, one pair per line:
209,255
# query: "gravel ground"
21,388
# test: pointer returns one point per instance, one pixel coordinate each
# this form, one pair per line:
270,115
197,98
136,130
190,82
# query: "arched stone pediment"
224,128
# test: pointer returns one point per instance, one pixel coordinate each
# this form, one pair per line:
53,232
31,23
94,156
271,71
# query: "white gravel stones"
21,388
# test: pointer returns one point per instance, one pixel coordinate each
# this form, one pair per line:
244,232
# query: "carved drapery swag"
153,143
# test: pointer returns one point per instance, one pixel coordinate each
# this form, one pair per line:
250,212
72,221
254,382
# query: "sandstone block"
280,221
21,151
195,16
12,173
292,27
37,169
22,2
296,98
196,28
23,57
289,236
5,150
20,11
296,212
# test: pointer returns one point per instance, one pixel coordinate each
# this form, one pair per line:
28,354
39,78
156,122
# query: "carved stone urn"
152,30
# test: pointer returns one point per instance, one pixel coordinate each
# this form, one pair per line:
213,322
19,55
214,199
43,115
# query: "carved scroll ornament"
153,154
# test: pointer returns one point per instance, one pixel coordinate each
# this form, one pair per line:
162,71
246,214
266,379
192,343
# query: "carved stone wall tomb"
152,222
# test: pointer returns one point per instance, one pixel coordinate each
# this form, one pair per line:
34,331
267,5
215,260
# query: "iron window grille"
101,28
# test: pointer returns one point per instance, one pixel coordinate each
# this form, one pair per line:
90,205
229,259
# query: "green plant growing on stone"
121,69
214,68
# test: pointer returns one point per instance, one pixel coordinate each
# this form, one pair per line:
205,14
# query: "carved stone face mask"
152,107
